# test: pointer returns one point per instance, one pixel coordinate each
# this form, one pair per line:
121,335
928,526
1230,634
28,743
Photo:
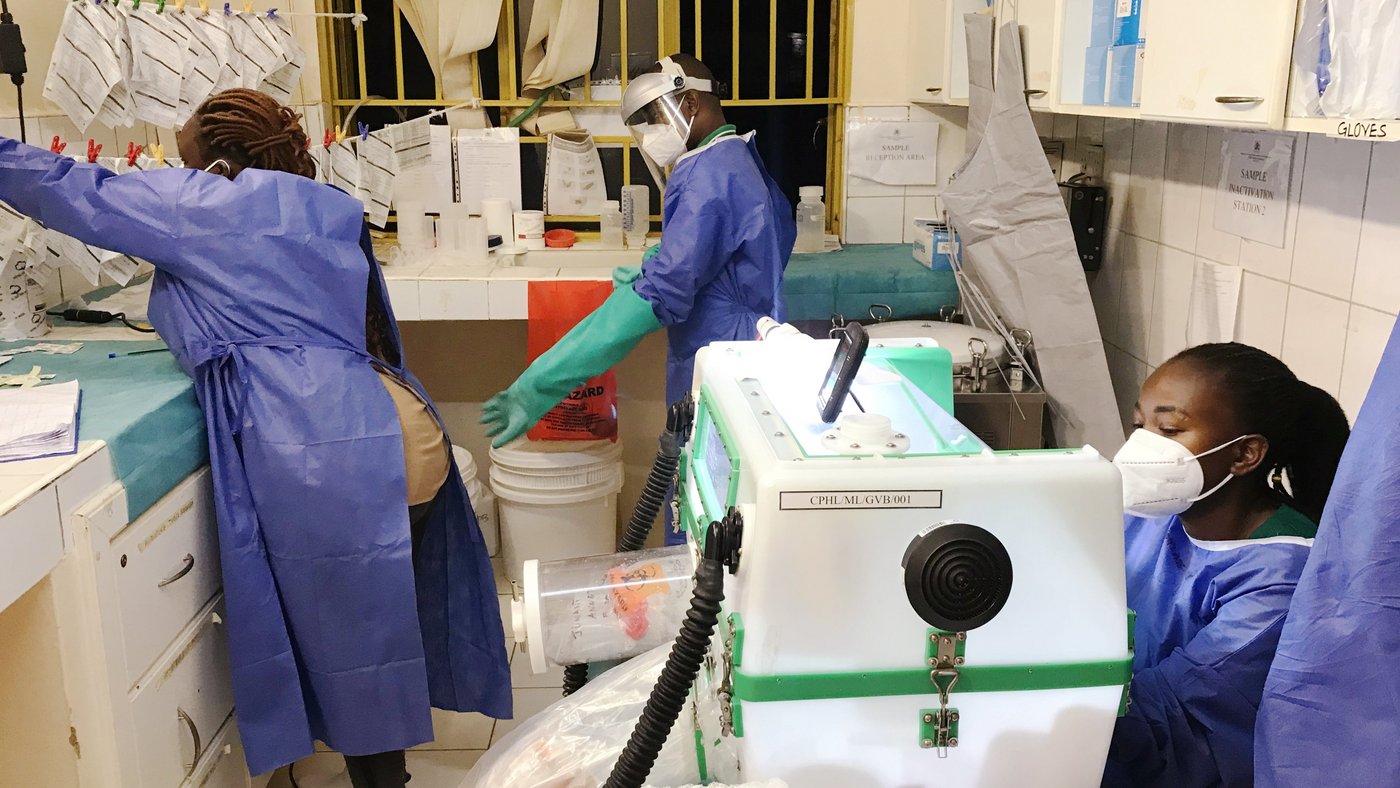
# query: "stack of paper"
38,422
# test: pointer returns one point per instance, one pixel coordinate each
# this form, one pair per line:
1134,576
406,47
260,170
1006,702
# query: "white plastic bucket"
482,499
556,500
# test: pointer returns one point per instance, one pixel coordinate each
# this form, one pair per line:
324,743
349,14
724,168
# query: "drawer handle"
181,572
1034,92
933,90
1239,100
194,733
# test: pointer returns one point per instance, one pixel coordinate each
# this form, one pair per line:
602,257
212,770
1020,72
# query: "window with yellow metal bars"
780,68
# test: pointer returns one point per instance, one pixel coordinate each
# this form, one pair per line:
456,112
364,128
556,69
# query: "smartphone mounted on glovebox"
850,352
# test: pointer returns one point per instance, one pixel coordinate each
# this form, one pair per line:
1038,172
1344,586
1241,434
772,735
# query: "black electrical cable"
682,666
12,60
99,317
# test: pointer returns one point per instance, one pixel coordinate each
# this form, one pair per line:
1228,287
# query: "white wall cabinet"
1206,62
938,50
143,645
1218,63
1037,19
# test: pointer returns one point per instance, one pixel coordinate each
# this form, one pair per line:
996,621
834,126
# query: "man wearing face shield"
727,234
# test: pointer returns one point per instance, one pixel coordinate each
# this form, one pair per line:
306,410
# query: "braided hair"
1305,427
251,129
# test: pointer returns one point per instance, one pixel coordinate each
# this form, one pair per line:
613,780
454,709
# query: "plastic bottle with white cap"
811,220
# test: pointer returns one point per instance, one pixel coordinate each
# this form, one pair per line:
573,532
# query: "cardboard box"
1101,16
1096,76
1127,23
1124,84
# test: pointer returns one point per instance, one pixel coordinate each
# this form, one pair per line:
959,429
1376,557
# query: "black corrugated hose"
682,666
662,476
659,481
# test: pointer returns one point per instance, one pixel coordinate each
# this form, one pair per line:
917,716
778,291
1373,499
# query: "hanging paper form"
116,65
1215,300
430,180
573,183
895,153
1251,200
488,165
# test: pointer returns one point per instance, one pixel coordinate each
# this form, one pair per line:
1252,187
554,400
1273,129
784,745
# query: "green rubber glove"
625,275
593,347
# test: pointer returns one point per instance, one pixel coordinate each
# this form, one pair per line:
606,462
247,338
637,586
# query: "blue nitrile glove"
593,347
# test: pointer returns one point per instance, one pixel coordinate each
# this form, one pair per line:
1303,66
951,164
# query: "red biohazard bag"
590,411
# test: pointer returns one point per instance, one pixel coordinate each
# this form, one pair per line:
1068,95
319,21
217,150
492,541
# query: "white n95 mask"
663,144
1161,477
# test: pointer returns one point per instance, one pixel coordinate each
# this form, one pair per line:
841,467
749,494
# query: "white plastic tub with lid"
556,500
482,499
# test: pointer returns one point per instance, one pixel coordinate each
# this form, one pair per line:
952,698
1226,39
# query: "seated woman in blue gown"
1223,482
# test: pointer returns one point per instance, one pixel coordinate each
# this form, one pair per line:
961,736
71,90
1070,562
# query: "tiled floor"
461,739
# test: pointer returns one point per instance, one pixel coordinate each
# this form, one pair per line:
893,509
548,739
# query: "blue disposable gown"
1331,708
260,290
727,234
1208,618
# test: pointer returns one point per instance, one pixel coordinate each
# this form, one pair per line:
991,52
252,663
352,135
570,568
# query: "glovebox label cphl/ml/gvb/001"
860,499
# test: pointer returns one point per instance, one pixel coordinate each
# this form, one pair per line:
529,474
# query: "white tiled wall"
1325,303
875,213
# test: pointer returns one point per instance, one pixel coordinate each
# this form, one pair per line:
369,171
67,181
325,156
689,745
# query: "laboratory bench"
815,286
113,660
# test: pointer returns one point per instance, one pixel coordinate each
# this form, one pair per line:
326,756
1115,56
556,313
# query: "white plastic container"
556,500
415,229
603,607
811,220
529,229
610,225
636,215
482,499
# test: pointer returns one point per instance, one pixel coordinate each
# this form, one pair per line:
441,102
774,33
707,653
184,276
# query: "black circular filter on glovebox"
957,576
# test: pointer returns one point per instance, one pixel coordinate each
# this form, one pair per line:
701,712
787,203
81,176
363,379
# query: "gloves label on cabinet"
590,411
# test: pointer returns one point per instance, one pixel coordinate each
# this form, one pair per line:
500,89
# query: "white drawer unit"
222,765
143,643
166,570
176,709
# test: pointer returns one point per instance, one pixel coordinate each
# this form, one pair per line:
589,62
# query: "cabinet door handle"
194,733
933,90
1034,93
1239,100
179,573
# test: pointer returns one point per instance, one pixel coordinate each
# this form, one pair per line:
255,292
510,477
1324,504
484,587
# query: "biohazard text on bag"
590,411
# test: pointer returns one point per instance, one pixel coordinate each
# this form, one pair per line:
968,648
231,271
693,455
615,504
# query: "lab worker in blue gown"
265,285
727,233
1331,708
1231,462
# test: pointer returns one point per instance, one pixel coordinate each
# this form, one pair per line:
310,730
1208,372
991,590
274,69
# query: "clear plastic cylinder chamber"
603,608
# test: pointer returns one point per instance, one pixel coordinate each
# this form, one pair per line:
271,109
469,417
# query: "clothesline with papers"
117,64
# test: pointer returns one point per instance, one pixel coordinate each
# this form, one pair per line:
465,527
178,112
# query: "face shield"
654,112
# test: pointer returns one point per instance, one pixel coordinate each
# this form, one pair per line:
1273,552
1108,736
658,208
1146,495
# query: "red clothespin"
57,145
94,150
133,152
329,139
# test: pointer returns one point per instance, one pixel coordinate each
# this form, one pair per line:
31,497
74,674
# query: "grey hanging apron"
1017,246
